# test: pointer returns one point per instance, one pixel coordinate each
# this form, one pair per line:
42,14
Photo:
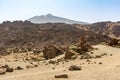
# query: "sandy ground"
108,70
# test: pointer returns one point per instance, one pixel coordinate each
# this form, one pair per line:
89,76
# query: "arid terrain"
105,68
59,51
59,39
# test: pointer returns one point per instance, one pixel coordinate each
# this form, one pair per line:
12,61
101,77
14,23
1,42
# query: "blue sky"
80,10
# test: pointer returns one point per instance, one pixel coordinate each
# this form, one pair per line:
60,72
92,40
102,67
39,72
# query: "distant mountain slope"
49,18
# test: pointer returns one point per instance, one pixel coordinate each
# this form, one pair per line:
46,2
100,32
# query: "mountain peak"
49,14
49,18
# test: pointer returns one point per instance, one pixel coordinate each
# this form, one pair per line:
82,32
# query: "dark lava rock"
51,51
75,68
19,68
2,71
8,69
68,54
61,76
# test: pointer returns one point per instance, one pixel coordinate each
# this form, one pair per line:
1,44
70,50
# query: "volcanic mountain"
49,18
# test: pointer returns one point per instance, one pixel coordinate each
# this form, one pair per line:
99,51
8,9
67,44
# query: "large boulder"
83,46
51,51
114,42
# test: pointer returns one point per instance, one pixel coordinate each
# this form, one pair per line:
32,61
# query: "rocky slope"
112,29
26,34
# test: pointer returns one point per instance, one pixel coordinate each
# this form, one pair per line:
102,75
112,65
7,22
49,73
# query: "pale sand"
108,70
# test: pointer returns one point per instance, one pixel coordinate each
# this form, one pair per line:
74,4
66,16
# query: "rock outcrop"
114,42
51,51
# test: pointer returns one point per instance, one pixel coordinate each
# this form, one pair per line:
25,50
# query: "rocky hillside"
112,29
27,34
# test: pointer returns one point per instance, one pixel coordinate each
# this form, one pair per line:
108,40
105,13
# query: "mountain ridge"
49,18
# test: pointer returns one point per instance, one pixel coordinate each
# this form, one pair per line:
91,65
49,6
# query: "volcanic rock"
68,54
75,68
61,76
51,51
8,69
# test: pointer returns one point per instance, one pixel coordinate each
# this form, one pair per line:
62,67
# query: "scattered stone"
64,70
19,68
75,68
86,56
5,66
94,62
51,62
35,65
57,63
61,76
92,53
83,63
31,63
88,63
59,60
66,61
53,68
2,71
104,54
46,63
28,66
98,56
96,48
100,62
8,69
88,60
111,55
